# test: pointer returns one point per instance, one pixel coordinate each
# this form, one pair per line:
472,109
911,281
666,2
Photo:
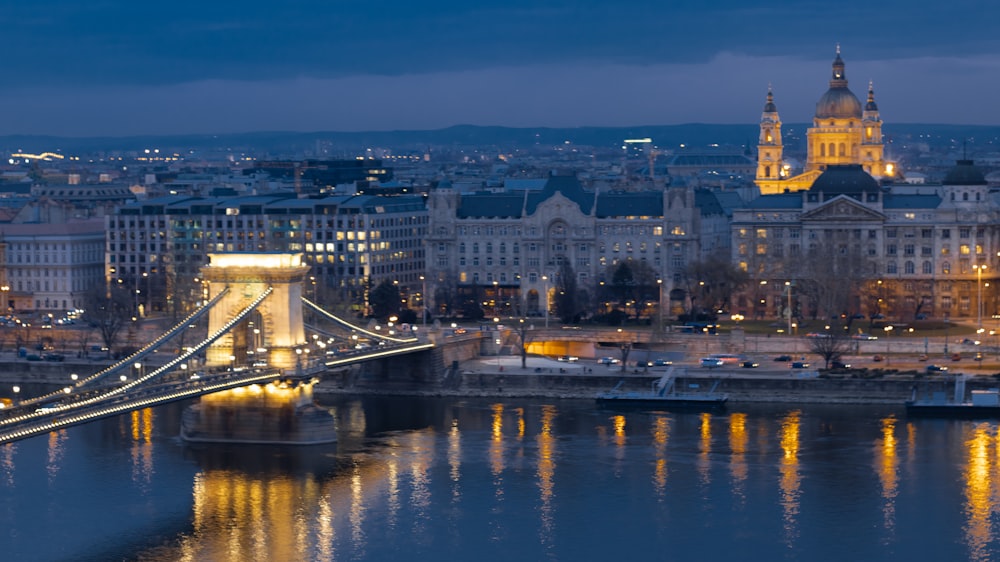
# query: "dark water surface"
514,479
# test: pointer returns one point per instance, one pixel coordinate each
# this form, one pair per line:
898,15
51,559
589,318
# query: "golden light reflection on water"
661,434
546,472
496,468
887,467
241,517
7,462
790,482
980,504
141,452
420,445
738,440
56,450
455,460
704,448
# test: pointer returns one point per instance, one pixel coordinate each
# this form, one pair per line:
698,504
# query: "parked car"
800,365
711,362
750,365
936,369
783,358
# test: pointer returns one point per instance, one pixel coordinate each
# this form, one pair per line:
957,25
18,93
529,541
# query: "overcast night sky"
112,67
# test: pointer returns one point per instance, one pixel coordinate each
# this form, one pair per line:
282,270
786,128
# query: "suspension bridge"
255,357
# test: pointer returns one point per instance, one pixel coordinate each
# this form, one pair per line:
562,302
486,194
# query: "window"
928,268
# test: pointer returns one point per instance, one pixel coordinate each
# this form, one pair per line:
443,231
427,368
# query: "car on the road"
936,369
864,337
608,361
661,363
750,365
839,365
783,358
956,356
711,362
817,335
878,358
567,358
800,365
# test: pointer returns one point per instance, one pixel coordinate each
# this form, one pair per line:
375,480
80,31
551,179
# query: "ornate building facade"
843,132
506,249
850,245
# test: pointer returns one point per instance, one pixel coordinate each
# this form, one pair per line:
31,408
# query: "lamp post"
546,279
423,300
496,298
888,332
17,395
979,293
660,283
788,286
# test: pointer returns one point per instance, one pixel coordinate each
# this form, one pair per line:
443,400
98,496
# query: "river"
514,479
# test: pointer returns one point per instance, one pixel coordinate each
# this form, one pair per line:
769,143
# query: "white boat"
664,393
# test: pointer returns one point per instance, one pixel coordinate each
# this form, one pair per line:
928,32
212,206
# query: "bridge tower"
276,326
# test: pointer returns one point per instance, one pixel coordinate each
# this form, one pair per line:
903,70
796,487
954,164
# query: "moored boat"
663,394
980,404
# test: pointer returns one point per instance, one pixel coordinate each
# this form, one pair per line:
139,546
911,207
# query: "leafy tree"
566,300
384,300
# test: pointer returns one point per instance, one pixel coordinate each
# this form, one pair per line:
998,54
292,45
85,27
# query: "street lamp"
660,283
979,293
788,286
17,395
423,300
496,298
888,332
546,279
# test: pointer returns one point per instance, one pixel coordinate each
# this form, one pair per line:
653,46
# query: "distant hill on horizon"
691,135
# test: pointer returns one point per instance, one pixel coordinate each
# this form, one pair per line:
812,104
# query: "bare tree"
830,346
109,310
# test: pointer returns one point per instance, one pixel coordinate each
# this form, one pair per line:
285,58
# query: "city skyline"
187,68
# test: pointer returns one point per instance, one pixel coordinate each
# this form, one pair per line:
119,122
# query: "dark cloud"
221,65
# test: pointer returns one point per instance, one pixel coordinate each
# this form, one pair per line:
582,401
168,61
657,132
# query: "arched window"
832,150
928,268
909,268
946,268
843,149
767,171
822,149
965,196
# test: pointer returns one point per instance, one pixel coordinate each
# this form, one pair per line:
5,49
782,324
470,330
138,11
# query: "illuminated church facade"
844,131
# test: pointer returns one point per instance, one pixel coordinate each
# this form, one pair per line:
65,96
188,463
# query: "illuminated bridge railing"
169,366
127,362
155,395
350,326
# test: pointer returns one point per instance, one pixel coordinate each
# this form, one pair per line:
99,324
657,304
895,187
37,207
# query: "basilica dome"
845,179
838,102
964,173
